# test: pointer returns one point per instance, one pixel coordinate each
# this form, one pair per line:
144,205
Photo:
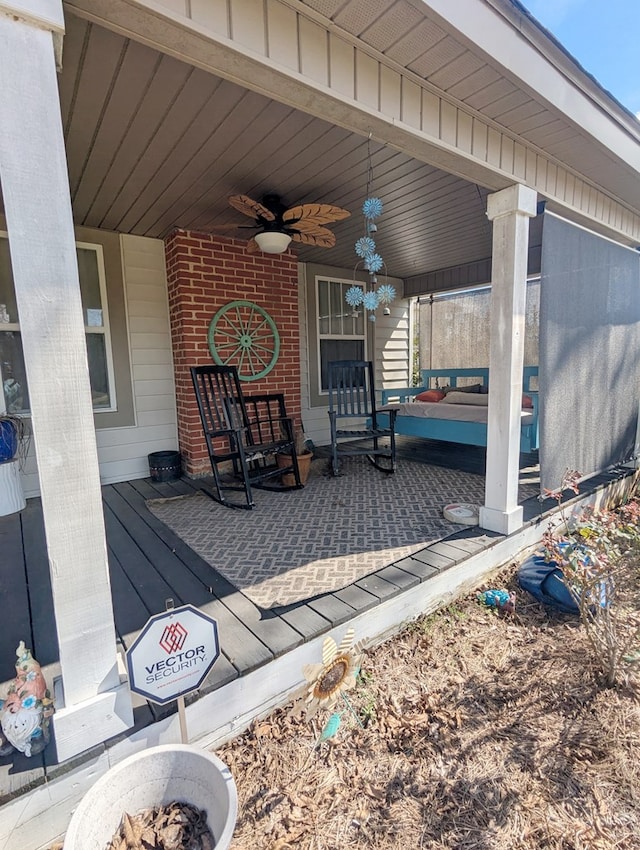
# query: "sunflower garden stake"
328,681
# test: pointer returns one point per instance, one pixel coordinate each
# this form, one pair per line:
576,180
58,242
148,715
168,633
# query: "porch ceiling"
154,144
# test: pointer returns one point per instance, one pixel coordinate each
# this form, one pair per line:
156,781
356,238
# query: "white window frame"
104,328
346,284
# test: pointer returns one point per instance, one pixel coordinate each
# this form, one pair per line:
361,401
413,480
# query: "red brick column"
204,273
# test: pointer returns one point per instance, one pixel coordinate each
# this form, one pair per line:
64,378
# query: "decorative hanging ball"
373,262
372,208
365,246
354,296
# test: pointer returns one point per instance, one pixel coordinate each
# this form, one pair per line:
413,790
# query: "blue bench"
452,429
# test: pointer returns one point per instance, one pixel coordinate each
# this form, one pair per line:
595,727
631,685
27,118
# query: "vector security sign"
173,654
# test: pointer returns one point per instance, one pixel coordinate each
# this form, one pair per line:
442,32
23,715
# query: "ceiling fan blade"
317,213
327,239
219,228
252,246
247,206
310,228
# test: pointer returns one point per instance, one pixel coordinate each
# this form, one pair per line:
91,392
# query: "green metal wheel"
243,335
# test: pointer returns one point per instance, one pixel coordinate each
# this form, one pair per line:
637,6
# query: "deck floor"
149,565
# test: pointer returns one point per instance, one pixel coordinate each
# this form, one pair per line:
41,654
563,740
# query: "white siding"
122,452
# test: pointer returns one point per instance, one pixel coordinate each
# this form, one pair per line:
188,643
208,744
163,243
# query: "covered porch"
163,110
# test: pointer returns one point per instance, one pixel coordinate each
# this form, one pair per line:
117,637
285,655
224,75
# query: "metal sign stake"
182,717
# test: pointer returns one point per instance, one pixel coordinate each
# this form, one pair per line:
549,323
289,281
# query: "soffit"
410,34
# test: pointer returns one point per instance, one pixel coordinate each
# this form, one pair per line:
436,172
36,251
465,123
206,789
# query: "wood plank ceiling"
154,144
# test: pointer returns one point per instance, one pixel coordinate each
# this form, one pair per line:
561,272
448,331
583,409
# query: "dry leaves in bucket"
176,826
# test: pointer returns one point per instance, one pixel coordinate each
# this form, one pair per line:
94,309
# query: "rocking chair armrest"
391,413
392,417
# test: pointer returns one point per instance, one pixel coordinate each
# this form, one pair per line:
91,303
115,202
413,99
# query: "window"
341,329
96,322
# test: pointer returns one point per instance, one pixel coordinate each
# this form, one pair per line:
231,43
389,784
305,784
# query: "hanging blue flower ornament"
372,208
365,246
354,296
373,262
386,293
370,300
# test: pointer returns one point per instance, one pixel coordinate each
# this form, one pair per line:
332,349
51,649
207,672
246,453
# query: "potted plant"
304,454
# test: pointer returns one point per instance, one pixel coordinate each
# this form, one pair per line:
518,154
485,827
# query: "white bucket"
11,495
159,775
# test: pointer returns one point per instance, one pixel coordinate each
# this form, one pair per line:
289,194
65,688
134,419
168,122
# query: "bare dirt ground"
480,731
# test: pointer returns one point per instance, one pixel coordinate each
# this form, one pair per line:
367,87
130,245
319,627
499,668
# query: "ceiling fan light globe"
273,241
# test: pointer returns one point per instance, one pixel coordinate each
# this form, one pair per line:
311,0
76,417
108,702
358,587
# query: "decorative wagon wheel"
243,335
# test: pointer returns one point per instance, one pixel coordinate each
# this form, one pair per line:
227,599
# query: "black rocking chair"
246,433
353,416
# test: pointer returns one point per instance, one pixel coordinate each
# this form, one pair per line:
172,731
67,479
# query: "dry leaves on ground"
479,733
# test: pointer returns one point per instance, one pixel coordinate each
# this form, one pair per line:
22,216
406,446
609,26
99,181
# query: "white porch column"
35,186
510,211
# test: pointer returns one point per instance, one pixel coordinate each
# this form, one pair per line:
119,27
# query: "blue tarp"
544,580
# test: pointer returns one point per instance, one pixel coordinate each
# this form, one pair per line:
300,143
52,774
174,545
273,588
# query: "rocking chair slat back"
353,416
248,431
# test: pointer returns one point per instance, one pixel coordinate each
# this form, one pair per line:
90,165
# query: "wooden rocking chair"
246,433
353,416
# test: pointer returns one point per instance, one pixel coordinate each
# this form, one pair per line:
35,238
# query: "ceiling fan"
278,225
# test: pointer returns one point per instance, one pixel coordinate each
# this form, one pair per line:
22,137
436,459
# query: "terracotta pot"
304,464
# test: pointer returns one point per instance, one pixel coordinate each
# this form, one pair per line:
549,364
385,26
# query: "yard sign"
173,654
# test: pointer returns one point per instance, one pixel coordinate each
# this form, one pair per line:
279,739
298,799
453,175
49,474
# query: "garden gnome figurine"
25,713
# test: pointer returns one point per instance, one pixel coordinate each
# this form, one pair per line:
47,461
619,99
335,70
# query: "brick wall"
204,273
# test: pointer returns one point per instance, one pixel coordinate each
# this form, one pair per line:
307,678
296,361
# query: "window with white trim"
341,329
96,325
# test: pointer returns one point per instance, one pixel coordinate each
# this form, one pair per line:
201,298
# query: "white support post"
510,211
35,187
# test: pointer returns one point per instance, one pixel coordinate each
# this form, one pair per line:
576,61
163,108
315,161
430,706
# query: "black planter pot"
164,466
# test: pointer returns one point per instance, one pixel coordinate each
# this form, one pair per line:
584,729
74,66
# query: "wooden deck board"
418,568
381,588
248,650
401,578
433,559
357,597
273,634
147,580
304,619
129,611
452,552
333,609
44,634
14,596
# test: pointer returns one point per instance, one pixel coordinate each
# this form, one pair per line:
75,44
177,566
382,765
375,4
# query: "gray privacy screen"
589,351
